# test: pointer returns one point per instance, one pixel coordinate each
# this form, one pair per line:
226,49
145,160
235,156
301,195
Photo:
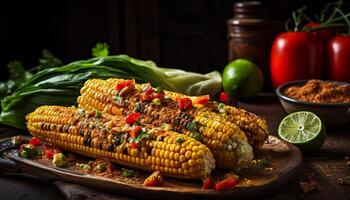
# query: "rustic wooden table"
327,167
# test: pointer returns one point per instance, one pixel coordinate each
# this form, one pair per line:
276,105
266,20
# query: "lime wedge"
304,129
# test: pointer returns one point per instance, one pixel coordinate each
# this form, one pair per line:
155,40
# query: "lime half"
304,129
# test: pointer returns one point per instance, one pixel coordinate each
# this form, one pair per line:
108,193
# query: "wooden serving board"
285,158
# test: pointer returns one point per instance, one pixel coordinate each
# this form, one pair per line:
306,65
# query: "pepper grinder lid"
249,9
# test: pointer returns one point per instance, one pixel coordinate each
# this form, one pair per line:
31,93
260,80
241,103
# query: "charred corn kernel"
202,123
99,142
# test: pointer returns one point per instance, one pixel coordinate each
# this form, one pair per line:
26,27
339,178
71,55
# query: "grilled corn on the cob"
255,127
225,139
98,135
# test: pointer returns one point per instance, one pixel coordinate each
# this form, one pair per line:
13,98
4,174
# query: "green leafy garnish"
158,89
98,114
128,172
48,61
193,126
100,50
221,107
142,135
166,126
263,163
179,140
118,99
84,166
18,75
101,167
197,136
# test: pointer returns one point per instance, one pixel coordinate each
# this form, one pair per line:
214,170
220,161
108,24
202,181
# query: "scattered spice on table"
308,185
341,181
319,91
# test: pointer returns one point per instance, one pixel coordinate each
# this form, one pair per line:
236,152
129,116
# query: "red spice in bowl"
319,91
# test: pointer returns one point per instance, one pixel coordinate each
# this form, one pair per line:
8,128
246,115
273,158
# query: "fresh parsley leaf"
98,114
263,163
221,107
193,126
128,172
100,50
140,137
180,140
48,61
17,71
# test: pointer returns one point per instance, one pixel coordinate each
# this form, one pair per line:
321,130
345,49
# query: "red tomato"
123,84
149,90
133,145
295,55
132,117
339,58
34,141
208,183
224,97
154,180
48,153
202,99
184,103
226,184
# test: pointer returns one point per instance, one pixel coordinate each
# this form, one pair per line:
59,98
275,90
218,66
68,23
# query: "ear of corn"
225,139
255,127
107,137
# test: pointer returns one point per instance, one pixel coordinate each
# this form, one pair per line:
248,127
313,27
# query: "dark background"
188,34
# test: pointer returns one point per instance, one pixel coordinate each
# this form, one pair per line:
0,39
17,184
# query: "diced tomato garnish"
145,97
123,84
154,180
226,184
132,118
149,90
155,95
224,97
48,153
34,141
134,131
184,103
202,100
208,183
133,145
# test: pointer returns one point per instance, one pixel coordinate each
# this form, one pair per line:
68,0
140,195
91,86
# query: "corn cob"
254,127
225,140
97,135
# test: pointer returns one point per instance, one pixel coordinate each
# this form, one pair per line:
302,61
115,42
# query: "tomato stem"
345,18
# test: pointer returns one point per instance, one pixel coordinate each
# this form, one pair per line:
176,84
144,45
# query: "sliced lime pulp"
304,129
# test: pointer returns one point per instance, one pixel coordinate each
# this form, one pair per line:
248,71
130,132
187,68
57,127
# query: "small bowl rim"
301,82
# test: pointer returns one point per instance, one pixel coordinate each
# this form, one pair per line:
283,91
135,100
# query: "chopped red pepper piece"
155,95
48,152
202,100
134,131
145,97
34,141
132,118
149,90
224,97
184,103
123,84
208,183
226,184
154,180
133,145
